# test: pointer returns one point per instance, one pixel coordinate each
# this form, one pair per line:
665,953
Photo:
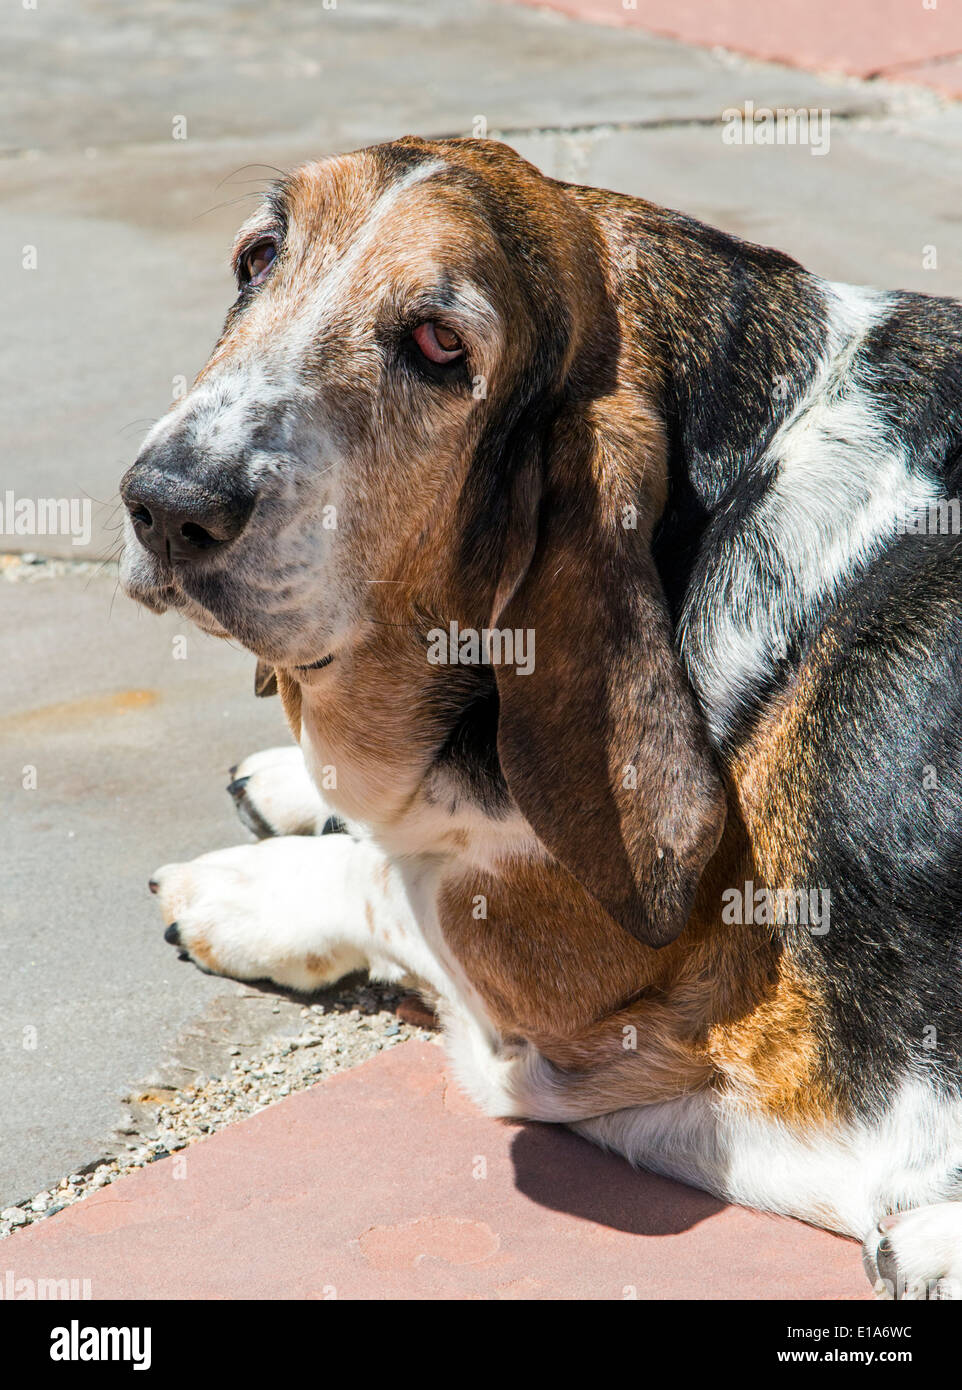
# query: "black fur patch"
469,751
742,330
884,832
912,366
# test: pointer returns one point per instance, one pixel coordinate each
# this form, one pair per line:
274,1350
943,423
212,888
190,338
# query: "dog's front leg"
274,795
300,911
917,1254
305,911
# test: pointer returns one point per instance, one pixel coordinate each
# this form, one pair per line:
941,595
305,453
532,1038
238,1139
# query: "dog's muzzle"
183,507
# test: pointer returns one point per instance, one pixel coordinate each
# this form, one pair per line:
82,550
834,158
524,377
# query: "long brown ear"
600,743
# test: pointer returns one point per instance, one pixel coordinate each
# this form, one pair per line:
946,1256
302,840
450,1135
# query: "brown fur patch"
775,771
773,1052
290,693
721,1006
201,951
318,965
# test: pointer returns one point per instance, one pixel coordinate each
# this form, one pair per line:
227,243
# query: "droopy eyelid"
244,245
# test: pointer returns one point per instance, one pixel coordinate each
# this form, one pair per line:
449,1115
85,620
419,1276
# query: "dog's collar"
317,665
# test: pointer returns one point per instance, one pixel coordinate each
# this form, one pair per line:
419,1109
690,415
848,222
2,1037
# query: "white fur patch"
842,1178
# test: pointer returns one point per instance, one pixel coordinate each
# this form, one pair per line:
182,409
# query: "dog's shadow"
564,1172
555,1167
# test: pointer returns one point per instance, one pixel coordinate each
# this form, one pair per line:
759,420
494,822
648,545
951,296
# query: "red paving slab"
862,37
945,77
385,1183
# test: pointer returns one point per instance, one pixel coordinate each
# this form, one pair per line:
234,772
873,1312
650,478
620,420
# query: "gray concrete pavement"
130,745
865,213
129,223
115,743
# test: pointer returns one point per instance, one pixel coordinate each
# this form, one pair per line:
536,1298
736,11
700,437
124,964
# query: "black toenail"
153,885
887,1266
172,935
236,787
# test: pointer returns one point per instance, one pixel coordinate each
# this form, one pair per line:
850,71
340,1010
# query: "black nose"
183,506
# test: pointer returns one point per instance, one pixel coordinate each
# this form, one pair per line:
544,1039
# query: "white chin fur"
138,578
199,616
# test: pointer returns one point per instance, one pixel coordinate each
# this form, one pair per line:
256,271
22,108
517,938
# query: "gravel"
29,567
345,1026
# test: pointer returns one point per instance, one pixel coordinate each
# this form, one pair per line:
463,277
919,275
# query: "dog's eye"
439,344
256,262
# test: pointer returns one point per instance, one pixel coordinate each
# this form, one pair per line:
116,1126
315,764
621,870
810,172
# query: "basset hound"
609,569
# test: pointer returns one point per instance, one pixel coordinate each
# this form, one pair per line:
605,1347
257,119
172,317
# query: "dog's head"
425,407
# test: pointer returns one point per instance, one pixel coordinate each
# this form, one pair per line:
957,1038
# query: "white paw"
917,1254
265,911
274,794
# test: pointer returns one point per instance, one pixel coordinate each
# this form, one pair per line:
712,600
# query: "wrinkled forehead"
415,215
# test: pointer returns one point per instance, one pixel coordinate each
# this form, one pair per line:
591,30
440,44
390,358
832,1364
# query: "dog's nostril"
183,514
197,536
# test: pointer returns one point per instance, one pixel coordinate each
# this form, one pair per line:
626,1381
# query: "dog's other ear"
600,743
265,679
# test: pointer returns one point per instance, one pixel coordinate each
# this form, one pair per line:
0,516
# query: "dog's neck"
405,746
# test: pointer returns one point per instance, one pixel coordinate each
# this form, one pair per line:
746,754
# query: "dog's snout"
181,509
